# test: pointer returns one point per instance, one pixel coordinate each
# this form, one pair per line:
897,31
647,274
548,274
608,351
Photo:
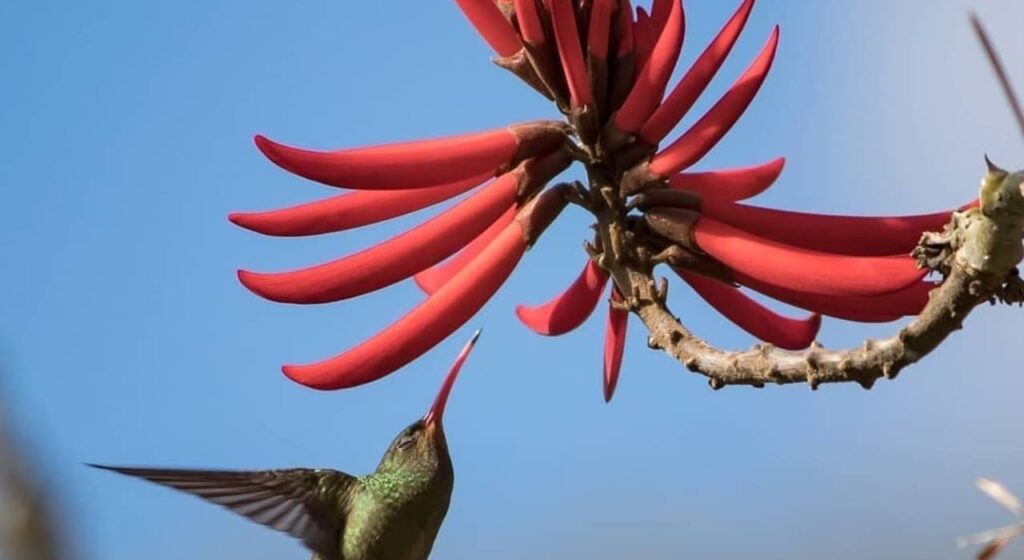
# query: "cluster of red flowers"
608,68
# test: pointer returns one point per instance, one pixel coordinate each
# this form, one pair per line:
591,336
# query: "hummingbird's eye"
406,441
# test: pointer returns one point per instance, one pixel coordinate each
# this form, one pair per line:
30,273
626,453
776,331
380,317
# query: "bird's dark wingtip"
103,467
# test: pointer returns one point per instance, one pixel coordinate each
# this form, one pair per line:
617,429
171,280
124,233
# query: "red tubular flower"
598,44
644,37
848,235
600,25
625,27
804,270
441,314
530,24
492,25
567,36
654,73
714,125
730,184
431,279
873,309
570,309
418,164
696,80
660,10
751,316
348,211
620,78
614,344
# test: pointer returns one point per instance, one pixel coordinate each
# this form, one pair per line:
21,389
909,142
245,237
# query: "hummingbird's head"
423,442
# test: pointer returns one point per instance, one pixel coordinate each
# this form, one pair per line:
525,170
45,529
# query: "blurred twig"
997,539
27,530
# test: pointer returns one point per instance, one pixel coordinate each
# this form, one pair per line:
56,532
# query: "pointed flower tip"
263,143
246,220
260,285
297,374
523,313
250,280
568,310
270,149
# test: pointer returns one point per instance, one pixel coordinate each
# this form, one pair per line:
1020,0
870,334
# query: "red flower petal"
654,74
866,309
530,24
751,316
714,125
848,235
567,36
425,326
660,10
801,269
644,37
431,279
393,260
614,345
348,211
696,80
730,184
600,26
492,25
570,309
625,25
417,164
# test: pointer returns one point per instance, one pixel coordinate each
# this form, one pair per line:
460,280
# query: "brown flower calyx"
540,212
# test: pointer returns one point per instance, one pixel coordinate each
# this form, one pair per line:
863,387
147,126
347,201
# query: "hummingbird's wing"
308,504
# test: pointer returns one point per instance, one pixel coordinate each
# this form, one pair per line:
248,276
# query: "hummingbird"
393,513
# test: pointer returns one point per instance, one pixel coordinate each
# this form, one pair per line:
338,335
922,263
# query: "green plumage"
392,514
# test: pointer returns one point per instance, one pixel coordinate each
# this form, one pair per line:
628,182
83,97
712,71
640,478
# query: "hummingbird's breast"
390,527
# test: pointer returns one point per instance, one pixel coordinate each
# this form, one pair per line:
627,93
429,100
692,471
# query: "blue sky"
125,337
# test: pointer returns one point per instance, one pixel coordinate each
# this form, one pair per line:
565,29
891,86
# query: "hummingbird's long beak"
436,411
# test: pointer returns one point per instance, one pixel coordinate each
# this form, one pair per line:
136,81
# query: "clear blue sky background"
125,338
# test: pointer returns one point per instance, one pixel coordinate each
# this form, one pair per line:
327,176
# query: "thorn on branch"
661,292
